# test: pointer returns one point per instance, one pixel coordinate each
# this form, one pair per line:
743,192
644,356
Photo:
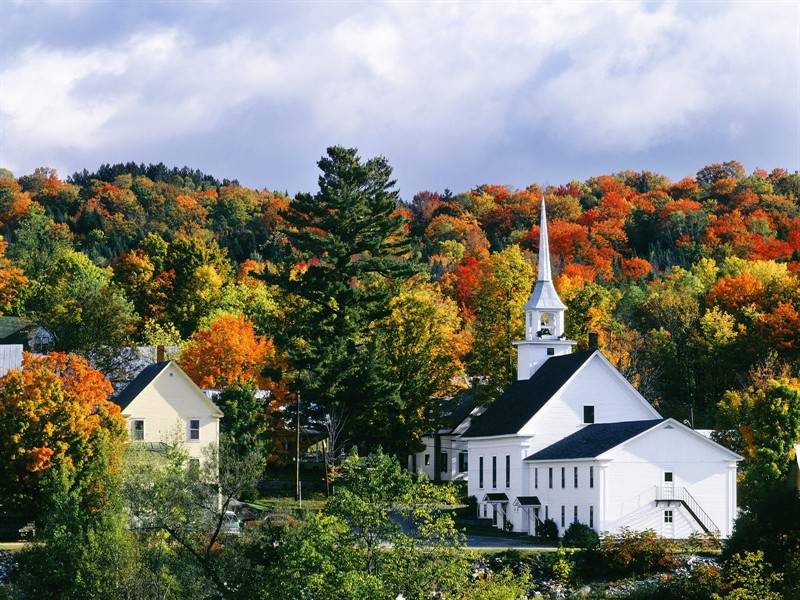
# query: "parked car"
231,525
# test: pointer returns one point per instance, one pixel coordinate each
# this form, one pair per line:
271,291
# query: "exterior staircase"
680,495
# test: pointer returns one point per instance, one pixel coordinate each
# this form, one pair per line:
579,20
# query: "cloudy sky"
453,94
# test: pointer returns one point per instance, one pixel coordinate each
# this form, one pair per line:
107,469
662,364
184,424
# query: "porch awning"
527,501
495,498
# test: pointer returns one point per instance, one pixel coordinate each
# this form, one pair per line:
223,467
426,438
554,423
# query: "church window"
588,414
550,476
194,430
575,514
536,477
563,515
667,516
508,471
591,517
480,471
563,477
546,512
551,351
484,511
575,477
494,471
591,477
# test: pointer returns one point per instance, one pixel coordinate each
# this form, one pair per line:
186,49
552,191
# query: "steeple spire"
544,315
544,247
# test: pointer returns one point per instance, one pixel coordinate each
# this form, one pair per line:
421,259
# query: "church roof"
544,294
524,398
141,381
593,440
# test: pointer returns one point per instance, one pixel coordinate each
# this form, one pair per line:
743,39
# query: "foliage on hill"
690,284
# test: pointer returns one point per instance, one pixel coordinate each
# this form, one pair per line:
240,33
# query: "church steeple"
544,314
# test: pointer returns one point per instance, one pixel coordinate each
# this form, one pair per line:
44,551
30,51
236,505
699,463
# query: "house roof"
593,440
456,409
12,328
523,399
141,381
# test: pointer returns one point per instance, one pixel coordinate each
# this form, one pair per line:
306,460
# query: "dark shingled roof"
495,497
456,409
509,413
593,440
135,387
528,501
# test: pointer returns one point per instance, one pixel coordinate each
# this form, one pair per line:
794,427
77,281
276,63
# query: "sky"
453,94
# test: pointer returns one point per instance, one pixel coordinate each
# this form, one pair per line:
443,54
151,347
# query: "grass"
281,504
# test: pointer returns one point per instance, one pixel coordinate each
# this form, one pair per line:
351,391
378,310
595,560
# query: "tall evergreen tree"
347,251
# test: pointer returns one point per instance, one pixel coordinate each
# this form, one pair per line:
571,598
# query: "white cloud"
633,76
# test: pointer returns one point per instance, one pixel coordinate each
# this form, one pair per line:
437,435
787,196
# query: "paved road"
503,543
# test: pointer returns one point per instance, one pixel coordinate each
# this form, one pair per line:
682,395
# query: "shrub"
748,577
548,530
635,553
579,535
563,567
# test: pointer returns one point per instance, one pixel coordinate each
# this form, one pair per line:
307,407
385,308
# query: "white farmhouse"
162,403
444,454
572,440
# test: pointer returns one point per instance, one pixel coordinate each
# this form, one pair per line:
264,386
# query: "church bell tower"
544,316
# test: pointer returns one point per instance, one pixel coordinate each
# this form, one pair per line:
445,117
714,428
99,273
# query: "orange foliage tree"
228,352
12,280
54,413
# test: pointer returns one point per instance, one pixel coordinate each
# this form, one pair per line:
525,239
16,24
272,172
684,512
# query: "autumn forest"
693,286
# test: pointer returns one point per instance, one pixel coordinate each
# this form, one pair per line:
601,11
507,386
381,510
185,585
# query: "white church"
572,440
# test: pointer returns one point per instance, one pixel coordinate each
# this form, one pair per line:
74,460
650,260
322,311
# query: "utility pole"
297,453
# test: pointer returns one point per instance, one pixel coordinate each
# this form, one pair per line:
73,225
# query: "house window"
443,462
463,462
494,471
588,414
536,477
137,430
563,512
508,471
427,460
591,477
480,472
575,477
591,517
575,514
194,469
551,351
550,476
667,516
563,477
194,430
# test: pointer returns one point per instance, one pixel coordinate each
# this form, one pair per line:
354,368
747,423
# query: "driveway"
502,543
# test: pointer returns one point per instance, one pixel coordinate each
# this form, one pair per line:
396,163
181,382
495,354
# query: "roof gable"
150,374
523,399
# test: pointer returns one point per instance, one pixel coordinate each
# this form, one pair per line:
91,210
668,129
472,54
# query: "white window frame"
189,429
133,430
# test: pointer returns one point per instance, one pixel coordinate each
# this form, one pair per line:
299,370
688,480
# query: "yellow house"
162,403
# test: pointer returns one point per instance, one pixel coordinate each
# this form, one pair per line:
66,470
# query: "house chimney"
160,354
593,342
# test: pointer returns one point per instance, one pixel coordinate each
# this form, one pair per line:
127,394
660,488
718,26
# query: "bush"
579,535
548,530
634,553
748,577
563,567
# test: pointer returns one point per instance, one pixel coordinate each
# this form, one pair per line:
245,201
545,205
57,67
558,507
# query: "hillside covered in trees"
373,304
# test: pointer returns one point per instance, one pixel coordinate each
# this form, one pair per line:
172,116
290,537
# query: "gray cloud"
453,94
